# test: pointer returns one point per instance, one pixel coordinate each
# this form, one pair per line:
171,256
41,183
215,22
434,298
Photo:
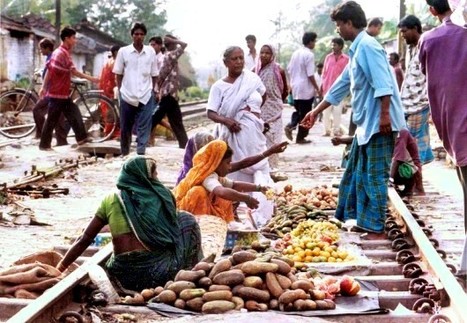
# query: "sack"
407,170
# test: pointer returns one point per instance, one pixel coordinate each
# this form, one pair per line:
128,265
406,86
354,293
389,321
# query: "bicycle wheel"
16,117
99,116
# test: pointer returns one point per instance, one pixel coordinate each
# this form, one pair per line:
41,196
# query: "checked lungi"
363,191
417,123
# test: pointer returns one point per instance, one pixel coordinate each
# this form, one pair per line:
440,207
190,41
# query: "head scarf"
275,66
194,144
205,162
149,206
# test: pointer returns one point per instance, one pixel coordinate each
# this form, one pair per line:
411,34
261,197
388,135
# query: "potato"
284,267
189,275
317,294
177,287
220,295
236,289
242,256
214,288
195,304
231,277
273,285
168,284
188,294
325,304
274,304
253,281
250,293
220,266
217,307
256,267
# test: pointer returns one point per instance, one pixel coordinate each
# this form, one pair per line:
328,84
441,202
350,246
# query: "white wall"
19,57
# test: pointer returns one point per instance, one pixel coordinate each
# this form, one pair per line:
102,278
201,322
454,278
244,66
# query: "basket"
234,236
213,231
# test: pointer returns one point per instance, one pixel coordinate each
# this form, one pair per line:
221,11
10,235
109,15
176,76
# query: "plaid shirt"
168,76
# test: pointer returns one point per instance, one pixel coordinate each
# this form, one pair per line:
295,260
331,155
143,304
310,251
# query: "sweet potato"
206,266
158,290
283,281
167,284
189,275
242,256
255,306
325,304
239,303
250,293
220,266
306,285
180,303
236,289
291,296
231,277
274,304
217,307
177,287
253,281
195,304
166,297
284,268
204,282
317,294
304,305
214,288
220,295
256,267
147,293
273,285
188,294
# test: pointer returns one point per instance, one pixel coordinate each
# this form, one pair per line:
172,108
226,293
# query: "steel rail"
429,255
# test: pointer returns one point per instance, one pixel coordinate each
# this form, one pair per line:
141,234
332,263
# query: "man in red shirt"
56,87
334,64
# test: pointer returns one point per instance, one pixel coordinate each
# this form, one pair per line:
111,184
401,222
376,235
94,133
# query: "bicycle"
16,111
16,105
91,104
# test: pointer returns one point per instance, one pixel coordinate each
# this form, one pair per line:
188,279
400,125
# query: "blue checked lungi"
417,124
363,191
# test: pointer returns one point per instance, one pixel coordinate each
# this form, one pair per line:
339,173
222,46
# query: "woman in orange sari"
206,190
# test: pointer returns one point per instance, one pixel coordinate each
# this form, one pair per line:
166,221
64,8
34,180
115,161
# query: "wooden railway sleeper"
412,270
400,244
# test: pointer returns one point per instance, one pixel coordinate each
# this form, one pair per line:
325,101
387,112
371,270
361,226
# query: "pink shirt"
333,67
59,69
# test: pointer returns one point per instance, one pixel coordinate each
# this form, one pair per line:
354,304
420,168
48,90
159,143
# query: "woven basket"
213,233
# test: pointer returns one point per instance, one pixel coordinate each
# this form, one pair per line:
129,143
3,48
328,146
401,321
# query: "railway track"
407,270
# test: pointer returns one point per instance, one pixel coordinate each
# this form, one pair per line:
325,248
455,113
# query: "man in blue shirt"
378,115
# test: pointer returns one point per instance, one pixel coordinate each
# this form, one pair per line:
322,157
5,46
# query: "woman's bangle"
60,267
258,188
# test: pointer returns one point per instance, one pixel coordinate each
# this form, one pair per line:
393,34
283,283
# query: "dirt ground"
67,215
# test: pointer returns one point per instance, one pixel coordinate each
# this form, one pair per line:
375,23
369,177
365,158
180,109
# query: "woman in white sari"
235,105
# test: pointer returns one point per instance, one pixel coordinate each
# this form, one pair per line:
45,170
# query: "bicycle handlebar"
79,81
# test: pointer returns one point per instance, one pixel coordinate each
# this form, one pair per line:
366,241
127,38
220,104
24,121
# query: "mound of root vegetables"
245,281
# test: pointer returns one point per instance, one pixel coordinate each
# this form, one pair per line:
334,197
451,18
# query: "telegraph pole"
58,21
400,42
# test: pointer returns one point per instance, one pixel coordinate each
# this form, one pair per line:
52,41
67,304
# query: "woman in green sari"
151,240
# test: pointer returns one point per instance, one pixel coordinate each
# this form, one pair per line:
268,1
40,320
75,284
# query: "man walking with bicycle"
136,70
56,87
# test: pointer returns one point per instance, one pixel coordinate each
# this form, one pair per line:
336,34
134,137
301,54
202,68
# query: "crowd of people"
155,230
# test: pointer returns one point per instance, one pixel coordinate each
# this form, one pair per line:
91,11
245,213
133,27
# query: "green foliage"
193,93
